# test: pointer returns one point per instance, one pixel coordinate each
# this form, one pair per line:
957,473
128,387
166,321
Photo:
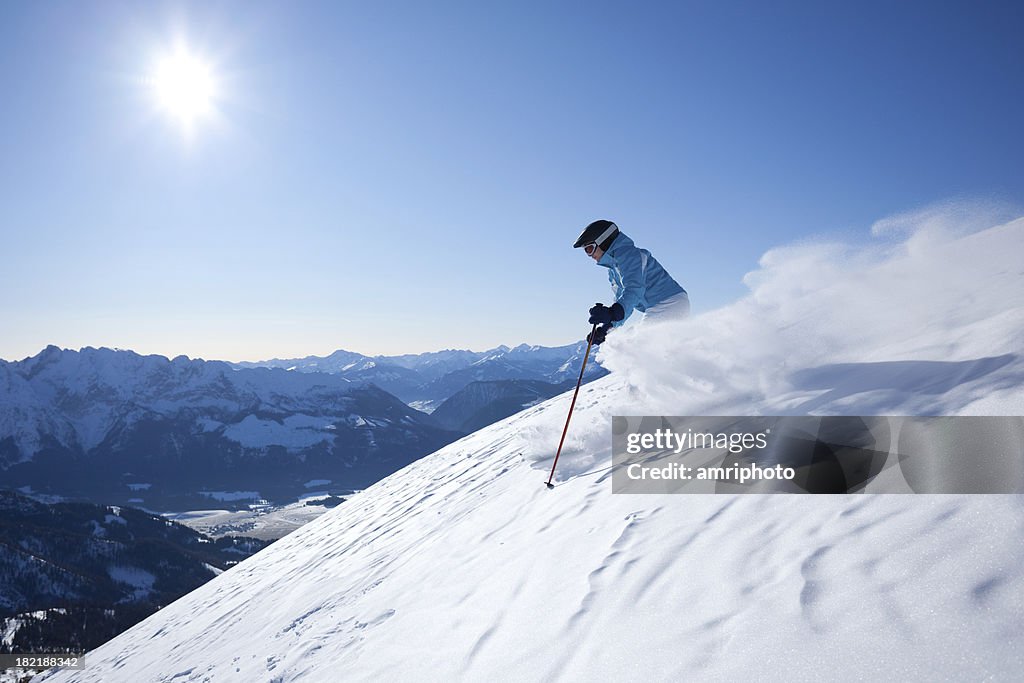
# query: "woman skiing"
638,280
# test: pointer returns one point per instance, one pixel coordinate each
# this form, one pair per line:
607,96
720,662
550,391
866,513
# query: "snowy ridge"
427,379
462,566
78,397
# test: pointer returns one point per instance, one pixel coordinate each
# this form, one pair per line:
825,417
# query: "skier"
638,280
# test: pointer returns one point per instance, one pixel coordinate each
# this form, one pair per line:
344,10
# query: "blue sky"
403,177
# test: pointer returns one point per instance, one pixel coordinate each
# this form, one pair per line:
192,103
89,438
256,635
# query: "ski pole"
590,342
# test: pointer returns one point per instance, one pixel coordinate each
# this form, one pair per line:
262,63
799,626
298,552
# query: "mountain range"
115,426
428,379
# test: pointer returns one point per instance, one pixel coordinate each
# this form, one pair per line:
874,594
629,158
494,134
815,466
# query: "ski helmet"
602,233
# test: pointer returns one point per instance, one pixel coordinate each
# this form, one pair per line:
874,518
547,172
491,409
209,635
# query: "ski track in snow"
463,566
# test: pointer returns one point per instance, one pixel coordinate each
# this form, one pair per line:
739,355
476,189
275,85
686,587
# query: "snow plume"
925,319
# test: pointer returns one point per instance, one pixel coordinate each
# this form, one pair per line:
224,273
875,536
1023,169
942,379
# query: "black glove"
599,334
602,315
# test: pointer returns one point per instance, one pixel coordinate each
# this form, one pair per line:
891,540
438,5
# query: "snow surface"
462,566
295,431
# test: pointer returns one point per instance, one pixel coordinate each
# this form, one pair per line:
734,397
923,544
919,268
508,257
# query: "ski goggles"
590,248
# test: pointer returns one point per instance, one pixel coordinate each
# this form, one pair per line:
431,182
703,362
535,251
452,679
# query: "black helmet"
601,233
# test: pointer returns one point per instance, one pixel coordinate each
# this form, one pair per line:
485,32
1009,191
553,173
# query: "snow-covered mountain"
111,424
463,566
428,379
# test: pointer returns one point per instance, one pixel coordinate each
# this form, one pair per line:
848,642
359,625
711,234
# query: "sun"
184,87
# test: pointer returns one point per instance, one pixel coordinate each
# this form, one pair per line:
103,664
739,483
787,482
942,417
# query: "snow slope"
462,566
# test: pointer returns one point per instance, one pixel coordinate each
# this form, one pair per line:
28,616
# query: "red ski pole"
590,342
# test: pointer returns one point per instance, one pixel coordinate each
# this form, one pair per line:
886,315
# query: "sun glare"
184,87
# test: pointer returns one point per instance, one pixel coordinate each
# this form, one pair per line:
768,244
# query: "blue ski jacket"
638,280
